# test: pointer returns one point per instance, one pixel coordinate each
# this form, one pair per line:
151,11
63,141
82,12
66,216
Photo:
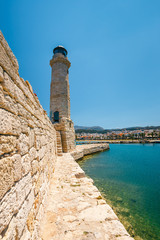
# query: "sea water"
128,176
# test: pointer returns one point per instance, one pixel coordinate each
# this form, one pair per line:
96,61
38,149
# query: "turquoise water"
128,175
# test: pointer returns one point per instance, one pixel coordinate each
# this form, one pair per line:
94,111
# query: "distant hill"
96,128
135,128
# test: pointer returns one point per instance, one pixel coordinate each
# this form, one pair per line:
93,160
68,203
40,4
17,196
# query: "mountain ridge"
99,129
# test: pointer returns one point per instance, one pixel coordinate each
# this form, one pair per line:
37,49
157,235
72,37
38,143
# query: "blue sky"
114,49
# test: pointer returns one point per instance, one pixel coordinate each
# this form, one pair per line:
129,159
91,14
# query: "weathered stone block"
26,164
38,182
17,167
23,85
6,63
9,52
30,220
10,104
1,96
10,171
37,203
6,175
35,166
6,102
23,213
23,187
31,138
42,152
7,144
43,139
8,84
43,163
13,200
11,233
1,74
26,234
37,142
31,123
23,144
22,111
32,154
12,89
19,95
9,123
24,126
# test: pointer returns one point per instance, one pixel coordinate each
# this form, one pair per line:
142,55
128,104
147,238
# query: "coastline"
75,208
118,141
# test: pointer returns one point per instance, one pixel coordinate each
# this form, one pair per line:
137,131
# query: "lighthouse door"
56,116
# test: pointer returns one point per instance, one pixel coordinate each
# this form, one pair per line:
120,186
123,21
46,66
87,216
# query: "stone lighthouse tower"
60,100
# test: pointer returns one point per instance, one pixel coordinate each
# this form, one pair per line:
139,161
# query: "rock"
119,199
101,201
80,175
124,211
133,200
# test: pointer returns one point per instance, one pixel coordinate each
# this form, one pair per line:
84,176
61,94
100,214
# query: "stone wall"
27,152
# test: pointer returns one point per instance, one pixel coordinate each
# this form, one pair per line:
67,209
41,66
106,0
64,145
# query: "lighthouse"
60,100
59,91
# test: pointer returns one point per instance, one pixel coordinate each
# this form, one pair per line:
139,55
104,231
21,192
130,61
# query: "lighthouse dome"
60,49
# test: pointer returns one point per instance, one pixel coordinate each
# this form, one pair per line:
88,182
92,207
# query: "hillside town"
151,134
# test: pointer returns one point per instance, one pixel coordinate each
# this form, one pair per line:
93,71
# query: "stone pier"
75,209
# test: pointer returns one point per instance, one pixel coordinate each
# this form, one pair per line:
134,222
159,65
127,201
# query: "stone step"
59,143
59,148
59,154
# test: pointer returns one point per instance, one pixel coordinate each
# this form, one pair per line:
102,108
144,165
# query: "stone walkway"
75,209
